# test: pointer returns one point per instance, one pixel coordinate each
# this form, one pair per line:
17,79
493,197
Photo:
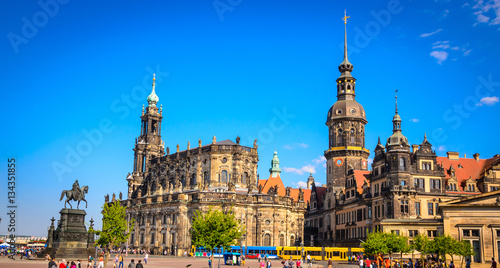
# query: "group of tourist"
380,262
53,263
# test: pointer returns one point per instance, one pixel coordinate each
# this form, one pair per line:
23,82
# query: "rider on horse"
76,190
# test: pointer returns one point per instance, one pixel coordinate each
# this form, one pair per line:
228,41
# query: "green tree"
115,228
444,245
375,244
215,228
463,249
396,244
422,244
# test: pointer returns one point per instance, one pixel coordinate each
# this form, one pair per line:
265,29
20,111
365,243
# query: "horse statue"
75,195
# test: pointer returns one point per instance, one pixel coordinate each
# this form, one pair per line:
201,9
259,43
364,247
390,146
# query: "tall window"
430,208
153,237
353,137
417,208
401,164
339,137
206,177
223,176
142,238
183,181
164,238
244,178
193,179
292,240
419,183
404,206
267,240
282,240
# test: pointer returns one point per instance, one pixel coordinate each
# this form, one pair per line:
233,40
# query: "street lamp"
96,248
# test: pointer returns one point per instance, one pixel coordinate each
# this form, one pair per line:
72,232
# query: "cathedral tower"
346,122
149,144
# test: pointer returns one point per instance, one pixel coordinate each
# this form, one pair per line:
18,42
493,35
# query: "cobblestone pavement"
164,262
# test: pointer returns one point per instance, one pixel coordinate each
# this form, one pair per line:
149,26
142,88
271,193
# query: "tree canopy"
215,228
115,228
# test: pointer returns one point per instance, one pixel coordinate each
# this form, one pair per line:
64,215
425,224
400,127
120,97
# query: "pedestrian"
146,255
361,263
101,261
262,264
387,263
52,263
299,263
120,261
131,264
451,265
269,264
243,260
72,265
210,262
139,264
467,264
330,263
309,263
410,263
368,263
62,264
493,263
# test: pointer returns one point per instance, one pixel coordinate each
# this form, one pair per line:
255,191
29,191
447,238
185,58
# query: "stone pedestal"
70,240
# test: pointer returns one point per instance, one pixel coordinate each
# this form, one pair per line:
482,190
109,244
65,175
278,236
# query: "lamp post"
302,247
96,248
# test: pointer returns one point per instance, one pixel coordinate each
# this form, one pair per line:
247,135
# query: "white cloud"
467,52
440,56
302,184
443,46
415,120
455,48
302,170
319,160
485,10
489,101
295,145
431,33
441,148
446,12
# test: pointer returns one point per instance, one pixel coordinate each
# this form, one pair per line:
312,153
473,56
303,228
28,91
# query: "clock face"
339,162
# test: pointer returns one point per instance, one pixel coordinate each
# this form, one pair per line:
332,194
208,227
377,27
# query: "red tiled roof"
469,167
361,176
294,192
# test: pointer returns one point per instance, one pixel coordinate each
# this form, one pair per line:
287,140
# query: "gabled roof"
294,192
271,182
465,168
320,195
361,177
225,142
489,198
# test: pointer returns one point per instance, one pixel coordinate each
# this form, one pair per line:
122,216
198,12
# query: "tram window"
336,253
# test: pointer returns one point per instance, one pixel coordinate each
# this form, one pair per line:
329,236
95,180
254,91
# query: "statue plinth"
70,239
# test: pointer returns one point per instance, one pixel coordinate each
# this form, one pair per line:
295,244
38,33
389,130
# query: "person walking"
52,263
120,261
146,255
139,264
330,263
101,262
131,264
493,263
467,264
361,263
210,262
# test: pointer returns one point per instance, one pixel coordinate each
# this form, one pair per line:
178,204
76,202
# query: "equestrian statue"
76,194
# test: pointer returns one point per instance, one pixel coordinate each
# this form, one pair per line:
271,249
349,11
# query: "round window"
338,112
224,160
353,111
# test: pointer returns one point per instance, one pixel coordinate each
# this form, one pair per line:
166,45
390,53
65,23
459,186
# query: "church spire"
396,120
152,98
275,165
345,67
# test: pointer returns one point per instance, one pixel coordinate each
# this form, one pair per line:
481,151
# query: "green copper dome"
275,165
152,98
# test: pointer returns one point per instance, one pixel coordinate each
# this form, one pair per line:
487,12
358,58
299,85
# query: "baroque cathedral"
165,189
409,189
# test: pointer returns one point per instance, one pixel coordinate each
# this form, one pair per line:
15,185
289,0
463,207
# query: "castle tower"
398,152
346,122
149,143
310,181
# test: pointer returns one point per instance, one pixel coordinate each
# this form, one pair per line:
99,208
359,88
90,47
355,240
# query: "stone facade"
165,190
406,190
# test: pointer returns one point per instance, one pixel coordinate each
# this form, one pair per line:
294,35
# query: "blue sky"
76,74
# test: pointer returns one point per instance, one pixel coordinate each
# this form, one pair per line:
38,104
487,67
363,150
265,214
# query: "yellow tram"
318,253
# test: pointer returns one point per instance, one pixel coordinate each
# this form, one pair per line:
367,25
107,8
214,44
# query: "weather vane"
345,17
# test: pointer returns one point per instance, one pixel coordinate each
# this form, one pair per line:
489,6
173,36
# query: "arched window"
339,137
193,179
183,181
282,240
401,163
206,177
353,136
329,203
223,176
244,178
267,240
